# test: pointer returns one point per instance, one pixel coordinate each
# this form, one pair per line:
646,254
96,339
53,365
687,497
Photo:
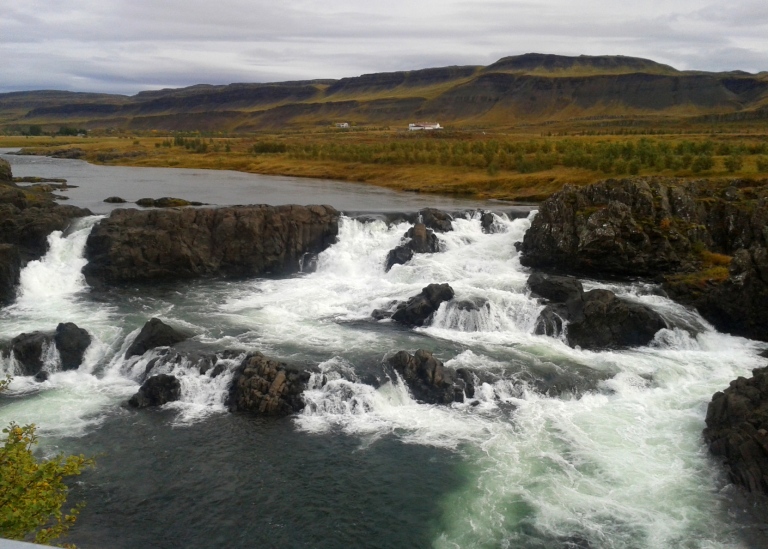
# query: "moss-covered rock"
6,175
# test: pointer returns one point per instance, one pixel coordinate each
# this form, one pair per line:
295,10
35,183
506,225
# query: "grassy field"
509,166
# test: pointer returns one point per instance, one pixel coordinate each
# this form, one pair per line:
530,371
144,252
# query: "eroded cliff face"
737,430
705,240
133,245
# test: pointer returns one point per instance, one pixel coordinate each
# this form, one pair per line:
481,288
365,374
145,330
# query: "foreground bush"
32,491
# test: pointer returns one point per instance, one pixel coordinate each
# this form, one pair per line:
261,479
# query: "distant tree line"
608,157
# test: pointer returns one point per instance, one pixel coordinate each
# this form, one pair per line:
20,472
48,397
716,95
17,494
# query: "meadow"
505,166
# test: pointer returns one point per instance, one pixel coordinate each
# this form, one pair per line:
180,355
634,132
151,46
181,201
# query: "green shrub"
702,163
733,163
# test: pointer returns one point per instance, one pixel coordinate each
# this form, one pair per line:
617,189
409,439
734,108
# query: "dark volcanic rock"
661,228
71,343
115,200
427,378
28,217
419,308
155,333
421,241
437,220
398,256
10,269
596,319
737,430
156,391
606,321
557,289
28,351
6,175
165,202
739,305
486,222
265,386
639,227
190,243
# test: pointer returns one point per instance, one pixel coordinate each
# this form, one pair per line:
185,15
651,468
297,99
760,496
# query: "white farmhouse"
424,126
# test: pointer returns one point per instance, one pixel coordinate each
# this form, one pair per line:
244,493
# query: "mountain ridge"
533,88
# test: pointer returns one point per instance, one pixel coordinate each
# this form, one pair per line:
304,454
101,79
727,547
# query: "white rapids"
616,462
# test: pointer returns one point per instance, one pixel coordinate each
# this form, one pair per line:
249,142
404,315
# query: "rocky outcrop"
737,430
73,153
30,349
643,226
593,320
421,240
268,387
6,175
156,391
681,233
419,308
738,304
115,200
10,270
155,333
429,380
133,245
26,220
71,342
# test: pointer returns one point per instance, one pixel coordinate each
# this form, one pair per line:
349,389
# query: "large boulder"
71,342
268,387
133,245
10,270
419,308
597,319
156,391
399,255
429,380
29,351
737,430
421,240
557,289
437,220
605,321
154,333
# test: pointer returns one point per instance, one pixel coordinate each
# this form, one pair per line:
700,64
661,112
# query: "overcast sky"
125,46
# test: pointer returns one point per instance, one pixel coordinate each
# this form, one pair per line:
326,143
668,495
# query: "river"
611,459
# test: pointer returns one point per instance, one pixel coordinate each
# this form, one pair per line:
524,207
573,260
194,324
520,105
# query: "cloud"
121,46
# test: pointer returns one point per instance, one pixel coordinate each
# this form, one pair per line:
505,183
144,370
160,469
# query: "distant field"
508,166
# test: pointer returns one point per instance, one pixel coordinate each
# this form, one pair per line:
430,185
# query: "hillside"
530,89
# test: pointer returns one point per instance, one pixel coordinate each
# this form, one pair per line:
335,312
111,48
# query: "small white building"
426,126
342,124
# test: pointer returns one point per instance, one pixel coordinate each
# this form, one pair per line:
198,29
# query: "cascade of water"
614,458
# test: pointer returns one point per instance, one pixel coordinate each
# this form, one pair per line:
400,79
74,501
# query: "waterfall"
611,456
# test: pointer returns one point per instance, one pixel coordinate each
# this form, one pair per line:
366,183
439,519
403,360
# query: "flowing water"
559,448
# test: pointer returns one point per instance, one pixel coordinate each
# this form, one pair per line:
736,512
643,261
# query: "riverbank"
513,167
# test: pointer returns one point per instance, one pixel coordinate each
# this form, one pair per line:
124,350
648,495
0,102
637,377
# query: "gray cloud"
126,47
